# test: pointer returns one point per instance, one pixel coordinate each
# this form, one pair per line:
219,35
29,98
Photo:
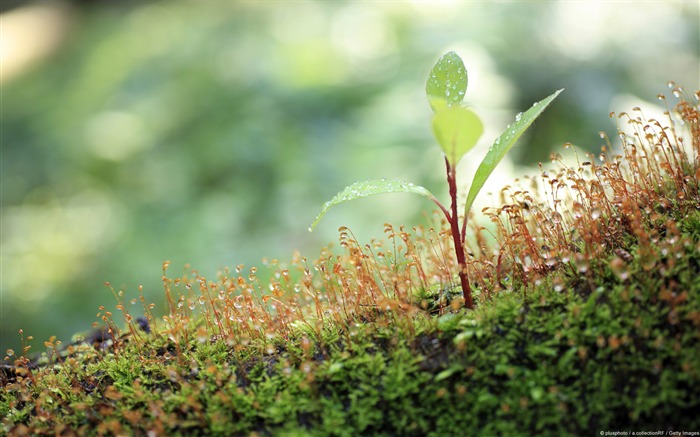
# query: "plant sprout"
457,130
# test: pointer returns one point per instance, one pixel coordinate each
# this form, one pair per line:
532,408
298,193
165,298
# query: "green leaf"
447,82
447,373
502,145
370,188
457,130
536,393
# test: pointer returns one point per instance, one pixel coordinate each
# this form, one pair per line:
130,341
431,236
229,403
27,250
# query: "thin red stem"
443,209
459,248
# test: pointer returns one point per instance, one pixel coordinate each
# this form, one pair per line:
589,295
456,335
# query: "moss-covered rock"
587,320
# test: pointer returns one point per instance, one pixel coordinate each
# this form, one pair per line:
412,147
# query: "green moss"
599,331
554,362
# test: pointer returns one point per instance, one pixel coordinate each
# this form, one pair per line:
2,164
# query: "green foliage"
369,188
598,352
457,130
550,363
232,122
447,82
502,145
587,320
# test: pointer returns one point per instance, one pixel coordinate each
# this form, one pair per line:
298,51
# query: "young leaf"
501,146
370,188
457,130
447,82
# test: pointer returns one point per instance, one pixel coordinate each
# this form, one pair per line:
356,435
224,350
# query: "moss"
586,320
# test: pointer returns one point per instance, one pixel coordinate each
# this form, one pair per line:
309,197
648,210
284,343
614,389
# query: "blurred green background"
210,133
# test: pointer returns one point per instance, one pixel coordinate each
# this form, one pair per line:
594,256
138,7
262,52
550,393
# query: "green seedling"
457,129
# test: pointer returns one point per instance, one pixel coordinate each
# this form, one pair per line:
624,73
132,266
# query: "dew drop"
619,268
582,264
558,284
518,116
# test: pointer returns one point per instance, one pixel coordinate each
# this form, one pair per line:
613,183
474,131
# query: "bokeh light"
210,133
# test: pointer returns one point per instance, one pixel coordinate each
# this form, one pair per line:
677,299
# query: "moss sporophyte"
457,130
587,319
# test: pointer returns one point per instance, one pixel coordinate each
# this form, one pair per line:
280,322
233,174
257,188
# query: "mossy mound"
587,320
